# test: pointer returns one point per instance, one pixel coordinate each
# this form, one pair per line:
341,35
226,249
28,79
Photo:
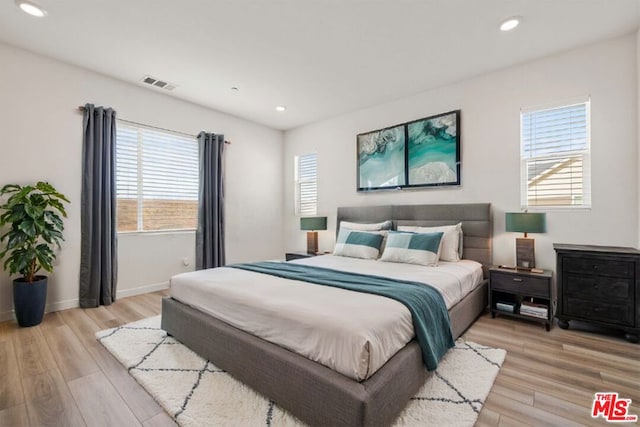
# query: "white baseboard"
55,306
142,290
72,303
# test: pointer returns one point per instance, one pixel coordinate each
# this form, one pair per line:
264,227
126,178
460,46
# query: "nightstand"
522,294
290,256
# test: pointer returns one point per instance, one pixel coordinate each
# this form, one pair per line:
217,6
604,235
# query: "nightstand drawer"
599,266
599,288
621,314
525,285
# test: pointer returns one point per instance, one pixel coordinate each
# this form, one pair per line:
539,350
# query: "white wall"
41,139
490,107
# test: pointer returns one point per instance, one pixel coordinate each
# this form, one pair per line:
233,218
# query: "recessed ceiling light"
31,8
281,108
510,23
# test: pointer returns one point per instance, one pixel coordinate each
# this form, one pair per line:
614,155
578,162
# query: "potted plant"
32,215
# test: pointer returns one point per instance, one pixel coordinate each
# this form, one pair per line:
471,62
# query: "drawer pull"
595,266
598,309
515,279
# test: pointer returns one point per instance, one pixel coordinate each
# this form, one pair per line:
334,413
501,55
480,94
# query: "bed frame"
312,392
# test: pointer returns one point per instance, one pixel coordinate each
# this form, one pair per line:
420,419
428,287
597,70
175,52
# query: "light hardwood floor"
58,374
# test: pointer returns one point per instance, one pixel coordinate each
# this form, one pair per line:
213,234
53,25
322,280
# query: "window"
306,198
156,179
556,156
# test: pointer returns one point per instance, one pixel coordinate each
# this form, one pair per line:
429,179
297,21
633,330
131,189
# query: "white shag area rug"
196,393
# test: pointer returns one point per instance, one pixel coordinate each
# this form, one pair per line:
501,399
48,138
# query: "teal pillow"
358,244
413,248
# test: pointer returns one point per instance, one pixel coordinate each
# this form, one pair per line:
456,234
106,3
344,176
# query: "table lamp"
525,222
312,224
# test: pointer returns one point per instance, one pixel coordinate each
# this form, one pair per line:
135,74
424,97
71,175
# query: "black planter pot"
29,300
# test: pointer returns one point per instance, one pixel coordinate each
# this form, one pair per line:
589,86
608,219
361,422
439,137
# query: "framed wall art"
382,159
420,153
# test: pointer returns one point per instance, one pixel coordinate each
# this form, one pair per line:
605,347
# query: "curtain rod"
81,108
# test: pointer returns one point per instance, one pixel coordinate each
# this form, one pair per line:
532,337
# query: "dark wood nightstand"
290,256
522,294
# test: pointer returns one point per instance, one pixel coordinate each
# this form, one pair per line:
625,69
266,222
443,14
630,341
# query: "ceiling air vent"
152,81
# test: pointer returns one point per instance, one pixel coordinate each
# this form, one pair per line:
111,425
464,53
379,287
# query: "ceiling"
319,58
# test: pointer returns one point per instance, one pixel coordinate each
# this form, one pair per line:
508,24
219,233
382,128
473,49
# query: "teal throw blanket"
428,310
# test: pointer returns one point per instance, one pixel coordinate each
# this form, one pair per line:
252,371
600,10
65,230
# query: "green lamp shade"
526,222
313,223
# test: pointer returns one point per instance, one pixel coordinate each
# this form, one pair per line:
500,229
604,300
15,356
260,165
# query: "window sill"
556,208
155,233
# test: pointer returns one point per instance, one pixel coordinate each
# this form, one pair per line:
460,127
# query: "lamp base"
312,242
525,253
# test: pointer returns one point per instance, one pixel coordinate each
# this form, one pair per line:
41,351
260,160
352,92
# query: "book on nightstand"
534,310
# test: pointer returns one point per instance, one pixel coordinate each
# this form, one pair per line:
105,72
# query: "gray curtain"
98,257
210,234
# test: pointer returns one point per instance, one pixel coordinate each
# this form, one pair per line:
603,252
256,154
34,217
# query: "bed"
315,393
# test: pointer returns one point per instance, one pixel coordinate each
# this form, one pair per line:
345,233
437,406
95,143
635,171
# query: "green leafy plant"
33,216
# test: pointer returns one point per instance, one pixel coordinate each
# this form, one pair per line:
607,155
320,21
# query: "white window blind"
156,179
306,173
556,160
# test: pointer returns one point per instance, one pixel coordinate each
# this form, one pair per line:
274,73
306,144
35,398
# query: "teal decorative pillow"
413,248
358,244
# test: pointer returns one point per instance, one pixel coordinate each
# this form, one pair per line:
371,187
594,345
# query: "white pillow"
384,225
451,241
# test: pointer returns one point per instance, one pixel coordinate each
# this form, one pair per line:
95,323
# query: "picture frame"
433,151
381,157
415,154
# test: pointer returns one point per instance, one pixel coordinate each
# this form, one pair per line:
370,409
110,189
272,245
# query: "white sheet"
350,332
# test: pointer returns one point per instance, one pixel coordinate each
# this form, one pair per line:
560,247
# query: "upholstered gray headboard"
475,218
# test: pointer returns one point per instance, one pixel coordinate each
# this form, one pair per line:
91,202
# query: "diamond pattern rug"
196,393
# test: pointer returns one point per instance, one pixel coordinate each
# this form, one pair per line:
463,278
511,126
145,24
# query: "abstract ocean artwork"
433,150
421,153
381,159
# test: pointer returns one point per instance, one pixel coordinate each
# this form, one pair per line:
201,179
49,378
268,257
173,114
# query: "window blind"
156,179
555,144
306,172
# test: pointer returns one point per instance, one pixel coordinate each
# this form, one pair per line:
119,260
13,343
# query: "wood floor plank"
15,416
124,312
487,418
51,320
516,392
603,355
160,420
578,413
32,352
535,381
49,402
506,421
154,300
11,392
103,317
528,414
100,403
138,304
72,358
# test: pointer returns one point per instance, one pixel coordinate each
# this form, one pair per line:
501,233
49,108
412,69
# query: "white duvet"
350,332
